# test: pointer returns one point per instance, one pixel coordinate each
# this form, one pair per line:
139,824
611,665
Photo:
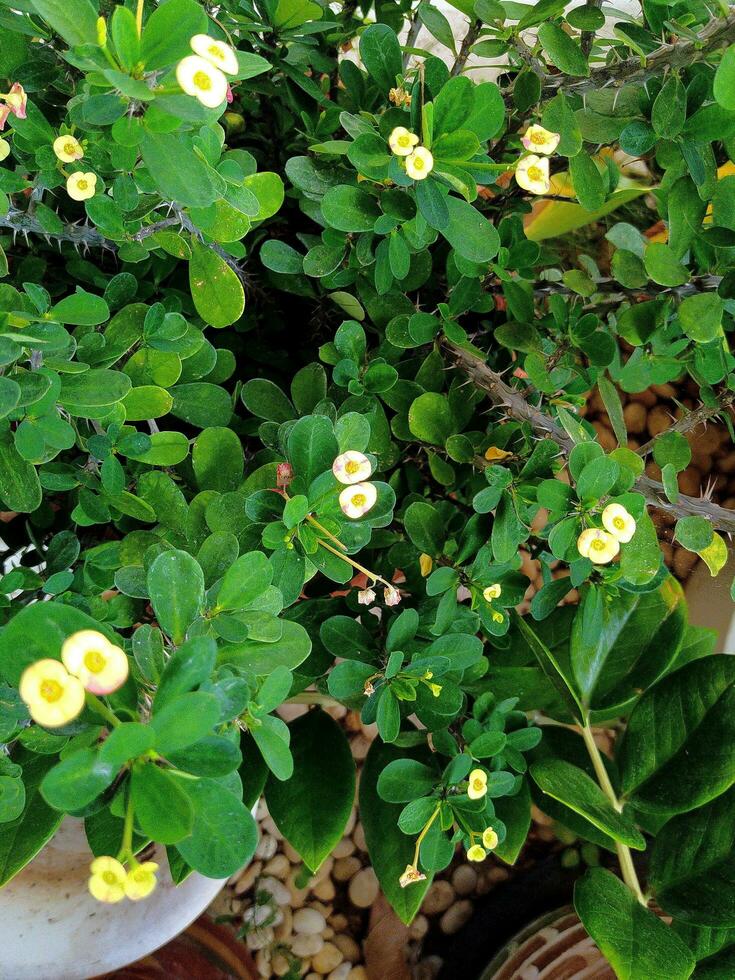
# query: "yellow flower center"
418,163
202,80
538,138
51,690
215,51
478,783
359,500
69,148
535,173
404,140
598,545
619,523
82,184
94,661
351,467
109,877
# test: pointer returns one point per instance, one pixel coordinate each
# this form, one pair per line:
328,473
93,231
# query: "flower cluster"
204,73
352,469
419,161
111,882
532,171
602,546
54,691
493,592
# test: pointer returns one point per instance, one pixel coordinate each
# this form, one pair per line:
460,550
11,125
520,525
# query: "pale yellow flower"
107,882
80,186
420,164
100,665
402,141
532,174
203,80
141,880
489,839
358,499
410,876
435,689
426,563
68,149
492,592
477,784
540,140
4,149
599,546
391,595
52,695
497,617
619,522
366,597
476,853
352,467
215,52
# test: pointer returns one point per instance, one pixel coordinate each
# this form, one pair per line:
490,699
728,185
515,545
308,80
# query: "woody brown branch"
515,405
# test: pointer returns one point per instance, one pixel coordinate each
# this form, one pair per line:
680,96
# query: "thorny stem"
624,856
464,52
413,33
692,419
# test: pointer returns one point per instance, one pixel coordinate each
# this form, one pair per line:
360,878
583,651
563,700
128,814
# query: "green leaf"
186,668
453,105
168,29
74,20
694,533
162,807
266,400
470,232
678,751
184,720
389,848
12,798
515,812
217,459
24,837
663,266
572,786
641,558
290,650
178,172
693,865
635,639
701,317
312,447
425,527
380,52
176,588
437,24
724,83
430,418
244,581
669,109
587,181
311,812
551,667
20,488
634,940
350,208
81,309
77,780
562,51
223,835
215,287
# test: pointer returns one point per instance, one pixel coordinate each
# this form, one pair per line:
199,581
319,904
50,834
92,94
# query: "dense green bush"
288,338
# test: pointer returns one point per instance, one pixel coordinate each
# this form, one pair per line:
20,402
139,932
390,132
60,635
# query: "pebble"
344,848
325,890
455,917
359,838
341,972
348,947
364,888
352,819
258,915
346,868
276,889
360,746
464,880
438,898
285,927
419,927
306,945
263,962
278,866
246,880
267,847
308,921
280,965
357,973
298,895
327,959
259,938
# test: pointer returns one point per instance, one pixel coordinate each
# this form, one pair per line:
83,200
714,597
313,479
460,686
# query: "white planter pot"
51,927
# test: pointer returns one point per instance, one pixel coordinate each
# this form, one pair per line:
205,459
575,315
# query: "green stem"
357,565
313,697
126,846
423,834
624,856
100,708
320,527
139,17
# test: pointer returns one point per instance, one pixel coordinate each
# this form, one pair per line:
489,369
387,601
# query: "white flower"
540,140
391,595
203,80
68,149
357,500
532,173
4,149
351,467
100,665
420,164
366,597
492,592
402,141
599,546
619,522
80,187
52,695
410,876
215,52
477,787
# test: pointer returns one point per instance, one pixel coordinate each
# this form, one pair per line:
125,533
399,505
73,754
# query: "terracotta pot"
52,928
554,947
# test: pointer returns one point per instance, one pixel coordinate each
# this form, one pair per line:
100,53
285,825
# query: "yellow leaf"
715,554
492,454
